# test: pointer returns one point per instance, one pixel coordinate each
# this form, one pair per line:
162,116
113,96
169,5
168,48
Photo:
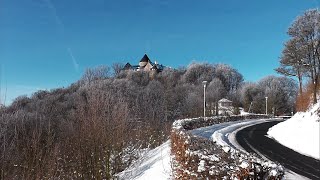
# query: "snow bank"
243,113
195,157
300,133
154,165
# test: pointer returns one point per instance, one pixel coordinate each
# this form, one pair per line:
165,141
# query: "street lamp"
204,83
266,105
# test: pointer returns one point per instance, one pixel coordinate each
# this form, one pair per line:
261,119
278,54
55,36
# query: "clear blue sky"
46,44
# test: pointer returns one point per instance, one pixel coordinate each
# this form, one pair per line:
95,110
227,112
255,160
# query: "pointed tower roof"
145,58
127,66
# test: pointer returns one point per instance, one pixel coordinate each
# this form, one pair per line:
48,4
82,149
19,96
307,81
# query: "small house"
225,107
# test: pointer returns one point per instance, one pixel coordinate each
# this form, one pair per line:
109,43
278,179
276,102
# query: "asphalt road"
253,139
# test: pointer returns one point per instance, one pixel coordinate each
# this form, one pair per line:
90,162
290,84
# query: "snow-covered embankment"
300,133
155,164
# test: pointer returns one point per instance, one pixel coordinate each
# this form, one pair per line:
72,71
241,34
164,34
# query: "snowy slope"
154,165
300,133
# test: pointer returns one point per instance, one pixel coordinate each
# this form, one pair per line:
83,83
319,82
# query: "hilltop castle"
145,64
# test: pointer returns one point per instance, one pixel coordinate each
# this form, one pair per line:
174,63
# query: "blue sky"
47,44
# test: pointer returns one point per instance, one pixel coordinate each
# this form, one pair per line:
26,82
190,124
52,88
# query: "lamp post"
204,83
250,107
266,105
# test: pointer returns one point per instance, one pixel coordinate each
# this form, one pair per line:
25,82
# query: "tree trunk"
217,108
315,88
300,83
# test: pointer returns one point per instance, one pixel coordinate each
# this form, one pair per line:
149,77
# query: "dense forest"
98,125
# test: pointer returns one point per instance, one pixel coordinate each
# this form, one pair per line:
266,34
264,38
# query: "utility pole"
204,83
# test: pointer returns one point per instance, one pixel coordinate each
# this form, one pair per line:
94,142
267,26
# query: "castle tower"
144,61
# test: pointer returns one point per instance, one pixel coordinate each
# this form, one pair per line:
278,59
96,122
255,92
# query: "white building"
225,107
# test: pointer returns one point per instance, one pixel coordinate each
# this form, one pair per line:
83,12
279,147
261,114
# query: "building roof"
145,58
127,66
224,100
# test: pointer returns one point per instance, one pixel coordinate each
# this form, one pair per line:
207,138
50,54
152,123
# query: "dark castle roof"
145,58
127,66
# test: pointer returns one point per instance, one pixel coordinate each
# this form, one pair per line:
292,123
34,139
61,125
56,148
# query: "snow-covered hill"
301,132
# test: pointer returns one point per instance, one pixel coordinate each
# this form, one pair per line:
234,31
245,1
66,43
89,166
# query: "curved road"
253,139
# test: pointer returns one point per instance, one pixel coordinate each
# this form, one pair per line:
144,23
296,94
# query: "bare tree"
117,68
249,92
198,72
100,72
305,31
95,127
292,61
229,76
281,93
215,92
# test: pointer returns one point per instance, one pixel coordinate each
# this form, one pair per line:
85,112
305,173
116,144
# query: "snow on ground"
155,164
226,136
300,133
290,175
243,113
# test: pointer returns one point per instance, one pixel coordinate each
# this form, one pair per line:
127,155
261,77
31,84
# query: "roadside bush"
305,99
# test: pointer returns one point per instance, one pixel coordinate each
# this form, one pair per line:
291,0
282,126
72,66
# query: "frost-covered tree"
229,76
248,95
98,125
153,96
194,102
198,72
170,77
281,93
215,91
141,77
304,47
